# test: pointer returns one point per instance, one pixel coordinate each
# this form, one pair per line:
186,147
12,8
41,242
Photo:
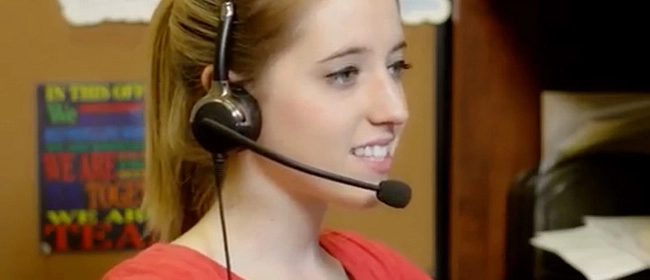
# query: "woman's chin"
357,199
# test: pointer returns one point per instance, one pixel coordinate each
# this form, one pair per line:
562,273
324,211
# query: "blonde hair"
178,180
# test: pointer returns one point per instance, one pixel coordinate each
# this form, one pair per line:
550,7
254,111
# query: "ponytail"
160,201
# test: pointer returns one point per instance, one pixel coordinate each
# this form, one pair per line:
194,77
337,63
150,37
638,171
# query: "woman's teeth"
372,152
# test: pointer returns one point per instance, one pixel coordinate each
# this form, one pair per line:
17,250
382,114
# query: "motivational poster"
90,164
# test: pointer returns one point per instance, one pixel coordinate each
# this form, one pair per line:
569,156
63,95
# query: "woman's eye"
344,76
396,69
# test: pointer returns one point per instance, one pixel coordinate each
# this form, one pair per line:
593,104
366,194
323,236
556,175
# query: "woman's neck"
267,225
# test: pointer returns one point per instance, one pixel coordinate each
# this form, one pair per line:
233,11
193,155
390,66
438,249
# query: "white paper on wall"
415,12
93,12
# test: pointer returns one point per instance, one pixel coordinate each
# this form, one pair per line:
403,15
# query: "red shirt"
361,258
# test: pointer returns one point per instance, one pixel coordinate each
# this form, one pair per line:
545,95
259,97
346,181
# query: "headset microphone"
392,193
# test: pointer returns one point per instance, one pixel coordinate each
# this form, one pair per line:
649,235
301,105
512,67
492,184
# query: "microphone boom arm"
249,144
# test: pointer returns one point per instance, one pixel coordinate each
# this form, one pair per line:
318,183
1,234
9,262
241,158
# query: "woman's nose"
387,102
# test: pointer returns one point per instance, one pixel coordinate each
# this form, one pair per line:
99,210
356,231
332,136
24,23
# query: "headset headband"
222,43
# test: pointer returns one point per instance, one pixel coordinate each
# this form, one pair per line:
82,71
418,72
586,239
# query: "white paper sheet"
605,248
93,12
631,234
416,12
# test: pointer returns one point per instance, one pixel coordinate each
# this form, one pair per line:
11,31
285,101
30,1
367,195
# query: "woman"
326,76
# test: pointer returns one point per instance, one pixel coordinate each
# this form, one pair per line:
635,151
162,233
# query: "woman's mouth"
375,157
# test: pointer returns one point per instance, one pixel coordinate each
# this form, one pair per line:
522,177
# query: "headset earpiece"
233,106
252,125
237,110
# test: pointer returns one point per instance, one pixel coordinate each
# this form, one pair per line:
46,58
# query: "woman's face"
334,99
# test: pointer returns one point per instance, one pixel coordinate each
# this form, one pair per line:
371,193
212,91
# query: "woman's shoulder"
355,243
165,261
341,238
354,249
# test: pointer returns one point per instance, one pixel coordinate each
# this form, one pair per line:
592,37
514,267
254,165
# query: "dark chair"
598,183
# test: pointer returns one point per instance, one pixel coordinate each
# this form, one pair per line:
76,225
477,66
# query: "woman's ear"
207,76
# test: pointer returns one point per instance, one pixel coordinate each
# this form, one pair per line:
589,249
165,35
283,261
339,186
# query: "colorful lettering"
61,113
58,166
98,236
97,166
80,216
54,93
126,92
89,93
121,194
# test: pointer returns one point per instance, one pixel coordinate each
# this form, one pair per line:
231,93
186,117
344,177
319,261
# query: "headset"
229,105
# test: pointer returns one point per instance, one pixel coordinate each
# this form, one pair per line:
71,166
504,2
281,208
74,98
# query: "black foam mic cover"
394,193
